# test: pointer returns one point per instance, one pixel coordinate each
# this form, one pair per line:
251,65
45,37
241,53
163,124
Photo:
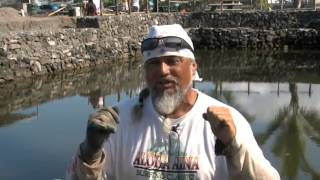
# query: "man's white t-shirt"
141,149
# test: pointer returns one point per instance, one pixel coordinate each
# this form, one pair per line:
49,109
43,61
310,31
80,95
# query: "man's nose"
164,68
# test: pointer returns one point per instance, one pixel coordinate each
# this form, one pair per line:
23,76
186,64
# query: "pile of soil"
9,14
11,20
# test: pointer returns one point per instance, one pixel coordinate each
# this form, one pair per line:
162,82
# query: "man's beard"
165,103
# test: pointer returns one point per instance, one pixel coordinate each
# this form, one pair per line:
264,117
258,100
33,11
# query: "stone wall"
297,38
256,19
91,41
256,30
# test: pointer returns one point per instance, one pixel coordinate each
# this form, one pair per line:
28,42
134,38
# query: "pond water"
42,120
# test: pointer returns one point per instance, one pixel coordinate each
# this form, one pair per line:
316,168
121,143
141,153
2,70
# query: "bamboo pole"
56,11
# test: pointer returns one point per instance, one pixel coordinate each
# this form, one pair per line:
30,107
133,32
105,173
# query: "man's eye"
173,60
153,61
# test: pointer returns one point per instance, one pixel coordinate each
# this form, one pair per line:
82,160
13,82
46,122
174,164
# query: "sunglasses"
169,42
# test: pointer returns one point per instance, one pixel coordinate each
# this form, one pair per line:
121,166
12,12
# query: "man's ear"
194,67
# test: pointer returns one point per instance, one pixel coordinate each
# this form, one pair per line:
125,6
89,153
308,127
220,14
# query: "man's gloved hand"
100,125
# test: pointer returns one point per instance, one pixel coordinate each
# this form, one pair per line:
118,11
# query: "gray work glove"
100,125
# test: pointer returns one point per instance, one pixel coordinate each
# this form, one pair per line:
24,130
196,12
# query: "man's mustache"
169,79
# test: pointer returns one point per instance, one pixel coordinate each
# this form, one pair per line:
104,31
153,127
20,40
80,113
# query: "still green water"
42,120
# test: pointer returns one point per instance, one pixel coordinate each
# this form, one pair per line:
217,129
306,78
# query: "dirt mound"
7,13
11,20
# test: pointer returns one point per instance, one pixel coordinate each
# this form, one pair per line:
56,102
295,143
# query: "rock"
9,77
3,52
314,23
68,66
54,55
14,46
5,48
89,44
35,66
66,51
87,56
269,38
25,60
12,57
17,73
52,43
13,41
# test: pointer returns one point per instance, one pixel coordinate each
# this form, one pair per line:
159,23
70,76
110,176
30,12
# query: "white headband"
164,51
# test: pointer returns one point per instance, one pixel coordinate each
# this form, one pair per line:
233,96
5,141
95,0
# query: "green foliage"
109,2
262,5
77,1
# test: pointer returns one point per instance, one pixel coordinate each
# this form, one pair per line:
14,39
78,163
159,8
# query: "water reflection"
96,99
235,65
11,118
281,102
92,83
292,125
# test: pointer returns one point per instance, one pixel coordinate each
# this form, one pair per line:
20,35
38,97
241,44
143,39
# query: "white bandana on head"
175,30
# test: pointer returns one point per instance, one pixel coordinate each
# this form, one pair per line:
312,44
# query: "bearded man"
171,131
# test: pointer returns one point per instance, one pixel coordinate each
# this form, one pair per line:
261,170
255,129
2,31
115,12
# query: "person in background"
91,9
125,6
171,131
135,6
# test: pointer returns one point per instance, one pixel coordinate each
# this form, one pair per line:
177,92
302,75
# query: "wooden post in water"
310,91
278,89
119,95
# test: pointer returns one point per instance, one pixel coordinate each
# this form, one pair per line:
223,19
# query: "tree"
262,5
